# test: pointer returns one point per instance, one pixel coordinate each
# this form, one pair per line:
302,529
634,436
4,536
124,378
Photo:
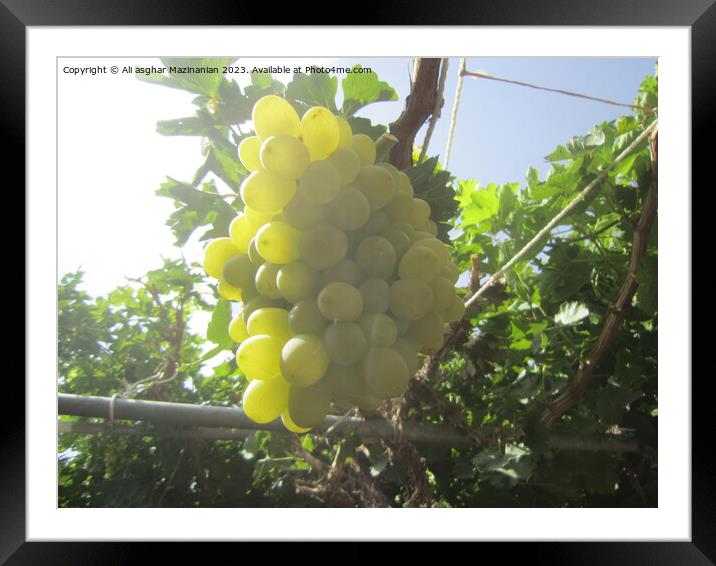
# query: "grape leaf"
361,89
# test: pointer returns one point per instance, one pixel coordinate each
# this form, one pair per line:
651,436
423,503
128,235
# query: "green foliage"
523,347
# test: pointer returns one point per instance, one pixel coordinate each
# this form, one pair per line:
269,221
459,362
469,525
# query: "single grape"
420,212
432,227
400,208
229,292
304,360
290,425
278,242
349,210
264,401
216,254
347,163
427,333
455,311
340,301
439,248
406,228
259,357
406,349
365,148
376,295
320,183
301,213
345,133
265,280
345,342
249,153
273,116
320,132
385,372
296,281
237,328
410,299
284,156
308,406
443,294
323,246
419,263
271,321
390,168
305,318
239,272
376,184
398,239
404,185
266,192
376,257
379,329
451,272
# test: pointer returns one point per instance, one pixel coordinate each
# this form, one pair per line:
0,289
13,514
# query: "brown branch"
575,391
437,110
419,106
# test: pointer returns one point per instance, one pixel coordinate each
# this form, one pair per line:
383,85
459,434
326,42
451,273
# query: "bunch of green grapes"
335,265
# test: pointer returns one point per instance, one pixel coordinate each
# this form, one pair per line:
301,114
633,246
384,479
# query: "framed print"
291,277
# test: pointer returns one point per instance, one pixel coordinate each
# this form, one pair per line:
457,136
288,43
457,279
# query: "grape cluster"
339,276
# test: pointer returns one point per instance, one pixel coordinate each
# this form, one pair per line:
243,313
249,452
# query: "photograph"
345,282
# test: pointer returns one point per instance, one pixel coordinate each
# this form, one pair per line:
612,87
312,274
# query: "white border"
671,521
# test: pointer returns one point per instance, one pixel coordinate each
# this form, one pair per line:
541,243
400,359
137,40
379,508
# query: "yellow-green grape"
266,192
346,271
345,132
347,163
229,292
420,235
349,210
265,280
376,257
258,302
427,333
216,254
443,293
390,168
385,373
410,299
398,239
376,184
376,295
365,148
320,132
302,213
345,381
420,212
406,228
265,401
407,349
306,318
296,281
249,293
451,272
278,242
432,227
239,272
340,302
259,357
455,311
345,342
256,219
304,360
284,156
237,328
249,153
271,321
379,329
320,183
377,222
290,425
400,208
419,262
274,116
404,185
308,406
438,248
323,246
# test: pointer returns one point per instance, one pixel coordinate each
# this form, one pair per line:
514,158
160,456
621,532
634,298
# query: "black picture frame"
699,15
